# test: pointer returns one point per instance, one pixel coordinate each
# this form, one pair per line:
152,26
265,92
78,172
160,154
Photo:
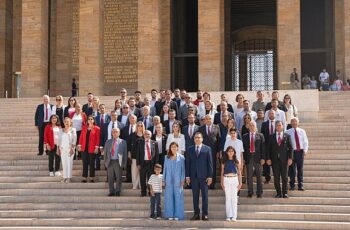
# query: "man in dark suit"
87,108
254,157
172,104
280,105
280,156
211,137
102,117
132,107
229,106
146,118
199,174
125,135
106,128
41,119
159,103
168,124
184,109
115,153
124,116
223,110
189,130
147,156
267,129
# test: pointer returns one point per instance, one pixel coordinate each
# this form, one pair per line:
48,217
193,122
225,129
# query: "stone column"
346,41
211,45
2,46
153,44
90,48
339,20
34,52
288,40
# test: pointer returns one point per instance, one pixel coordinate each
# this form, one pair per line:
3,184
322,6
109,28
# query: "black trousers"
155,204
128,170
77,153
88,163
267,172
54,157
41,138
254,168
297,166
214,169
145,173
280,170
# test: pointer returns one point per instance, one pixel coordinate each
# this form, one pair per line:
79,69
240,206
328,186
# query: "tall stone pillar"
346,41
339,20
2,45
288,40
34,51
211,45
91,47
153,44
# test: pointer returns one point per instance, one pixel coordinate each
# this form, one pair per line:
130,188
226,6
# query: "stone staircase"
30,199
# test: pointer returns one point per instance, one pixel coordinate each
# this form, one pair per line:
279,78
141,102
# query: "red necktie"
279,139
271,128
252,143
208,130
148,150
115,143
102,120
46,112
297,143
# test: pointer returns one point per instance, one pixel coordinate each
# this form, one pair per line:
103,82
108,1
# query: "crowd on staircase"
173,142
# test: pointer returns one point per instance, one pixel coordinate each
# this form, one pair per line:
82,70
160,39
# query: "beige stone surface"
346,39
2,45
34,50
17,38
90,47
339,35
288,39
153,44
210,45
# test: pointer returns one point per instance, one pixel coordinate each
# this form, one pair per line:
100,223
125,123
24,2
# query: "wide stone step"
142,222
129,192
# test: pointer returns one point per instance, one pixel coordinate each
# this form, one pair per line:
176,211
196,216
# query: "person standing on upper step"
280,156
300,145
51,134
115,154
41,118
87,108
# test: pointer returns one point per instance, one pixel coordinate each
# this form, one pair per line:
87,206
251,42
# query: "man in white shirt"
154,97
324,79
279,114
300,146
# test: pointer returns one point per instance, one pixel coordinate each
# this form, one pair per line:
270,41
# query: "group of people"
173,142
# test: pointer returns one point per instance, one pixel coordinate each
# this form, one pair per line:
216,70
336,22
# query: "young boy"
155,182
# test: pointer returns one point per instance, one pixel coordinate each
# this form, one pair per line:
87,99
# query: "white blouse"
179,140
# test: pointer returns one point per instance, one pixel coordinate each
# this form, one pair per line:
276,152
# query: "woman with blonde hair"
67,139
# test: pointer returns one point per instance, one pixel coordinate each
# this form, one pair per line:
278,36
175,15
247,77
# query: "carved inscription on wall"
120,45
75,39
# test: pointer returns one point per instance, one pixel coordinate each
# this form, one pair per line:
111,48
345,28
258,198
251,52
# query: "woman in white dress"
66,147
177,137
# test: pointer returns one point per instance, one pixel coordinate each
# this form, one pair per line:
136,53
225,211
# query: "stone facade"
84,44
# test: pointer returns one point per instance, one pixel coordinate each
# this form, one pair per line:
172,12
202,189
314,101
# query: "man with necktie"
42,118
279,155
300,145
115,160
147,157
254,158
199,174
267,129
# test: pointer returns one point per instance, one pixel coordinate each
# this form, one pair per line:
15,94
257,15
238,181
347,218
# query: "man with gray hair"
115,152
42,118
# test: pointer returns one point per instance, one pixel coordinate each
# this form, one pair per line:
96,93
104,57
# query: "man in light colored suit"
115,152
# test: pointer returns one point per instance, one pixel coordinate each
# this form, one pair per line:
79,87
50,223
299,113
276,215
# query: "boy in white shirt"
155,183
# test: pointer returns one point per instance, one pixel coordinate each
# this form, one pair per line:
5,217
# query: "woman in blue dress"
174,179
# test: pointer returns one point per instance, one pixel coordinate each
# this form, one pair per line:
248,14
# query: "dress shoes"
278,196
205,218
195,217
39,154
117,194
111,194
259,196
84,181
285,196
301,189
250,195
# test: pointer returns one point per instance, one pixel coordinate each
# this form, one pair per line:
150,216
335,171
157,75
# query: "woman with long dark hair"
50,142
174,179
231,182
89,143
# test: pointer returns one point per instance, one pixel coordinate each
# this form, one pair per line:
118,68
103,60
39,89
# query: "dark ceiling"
253,6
